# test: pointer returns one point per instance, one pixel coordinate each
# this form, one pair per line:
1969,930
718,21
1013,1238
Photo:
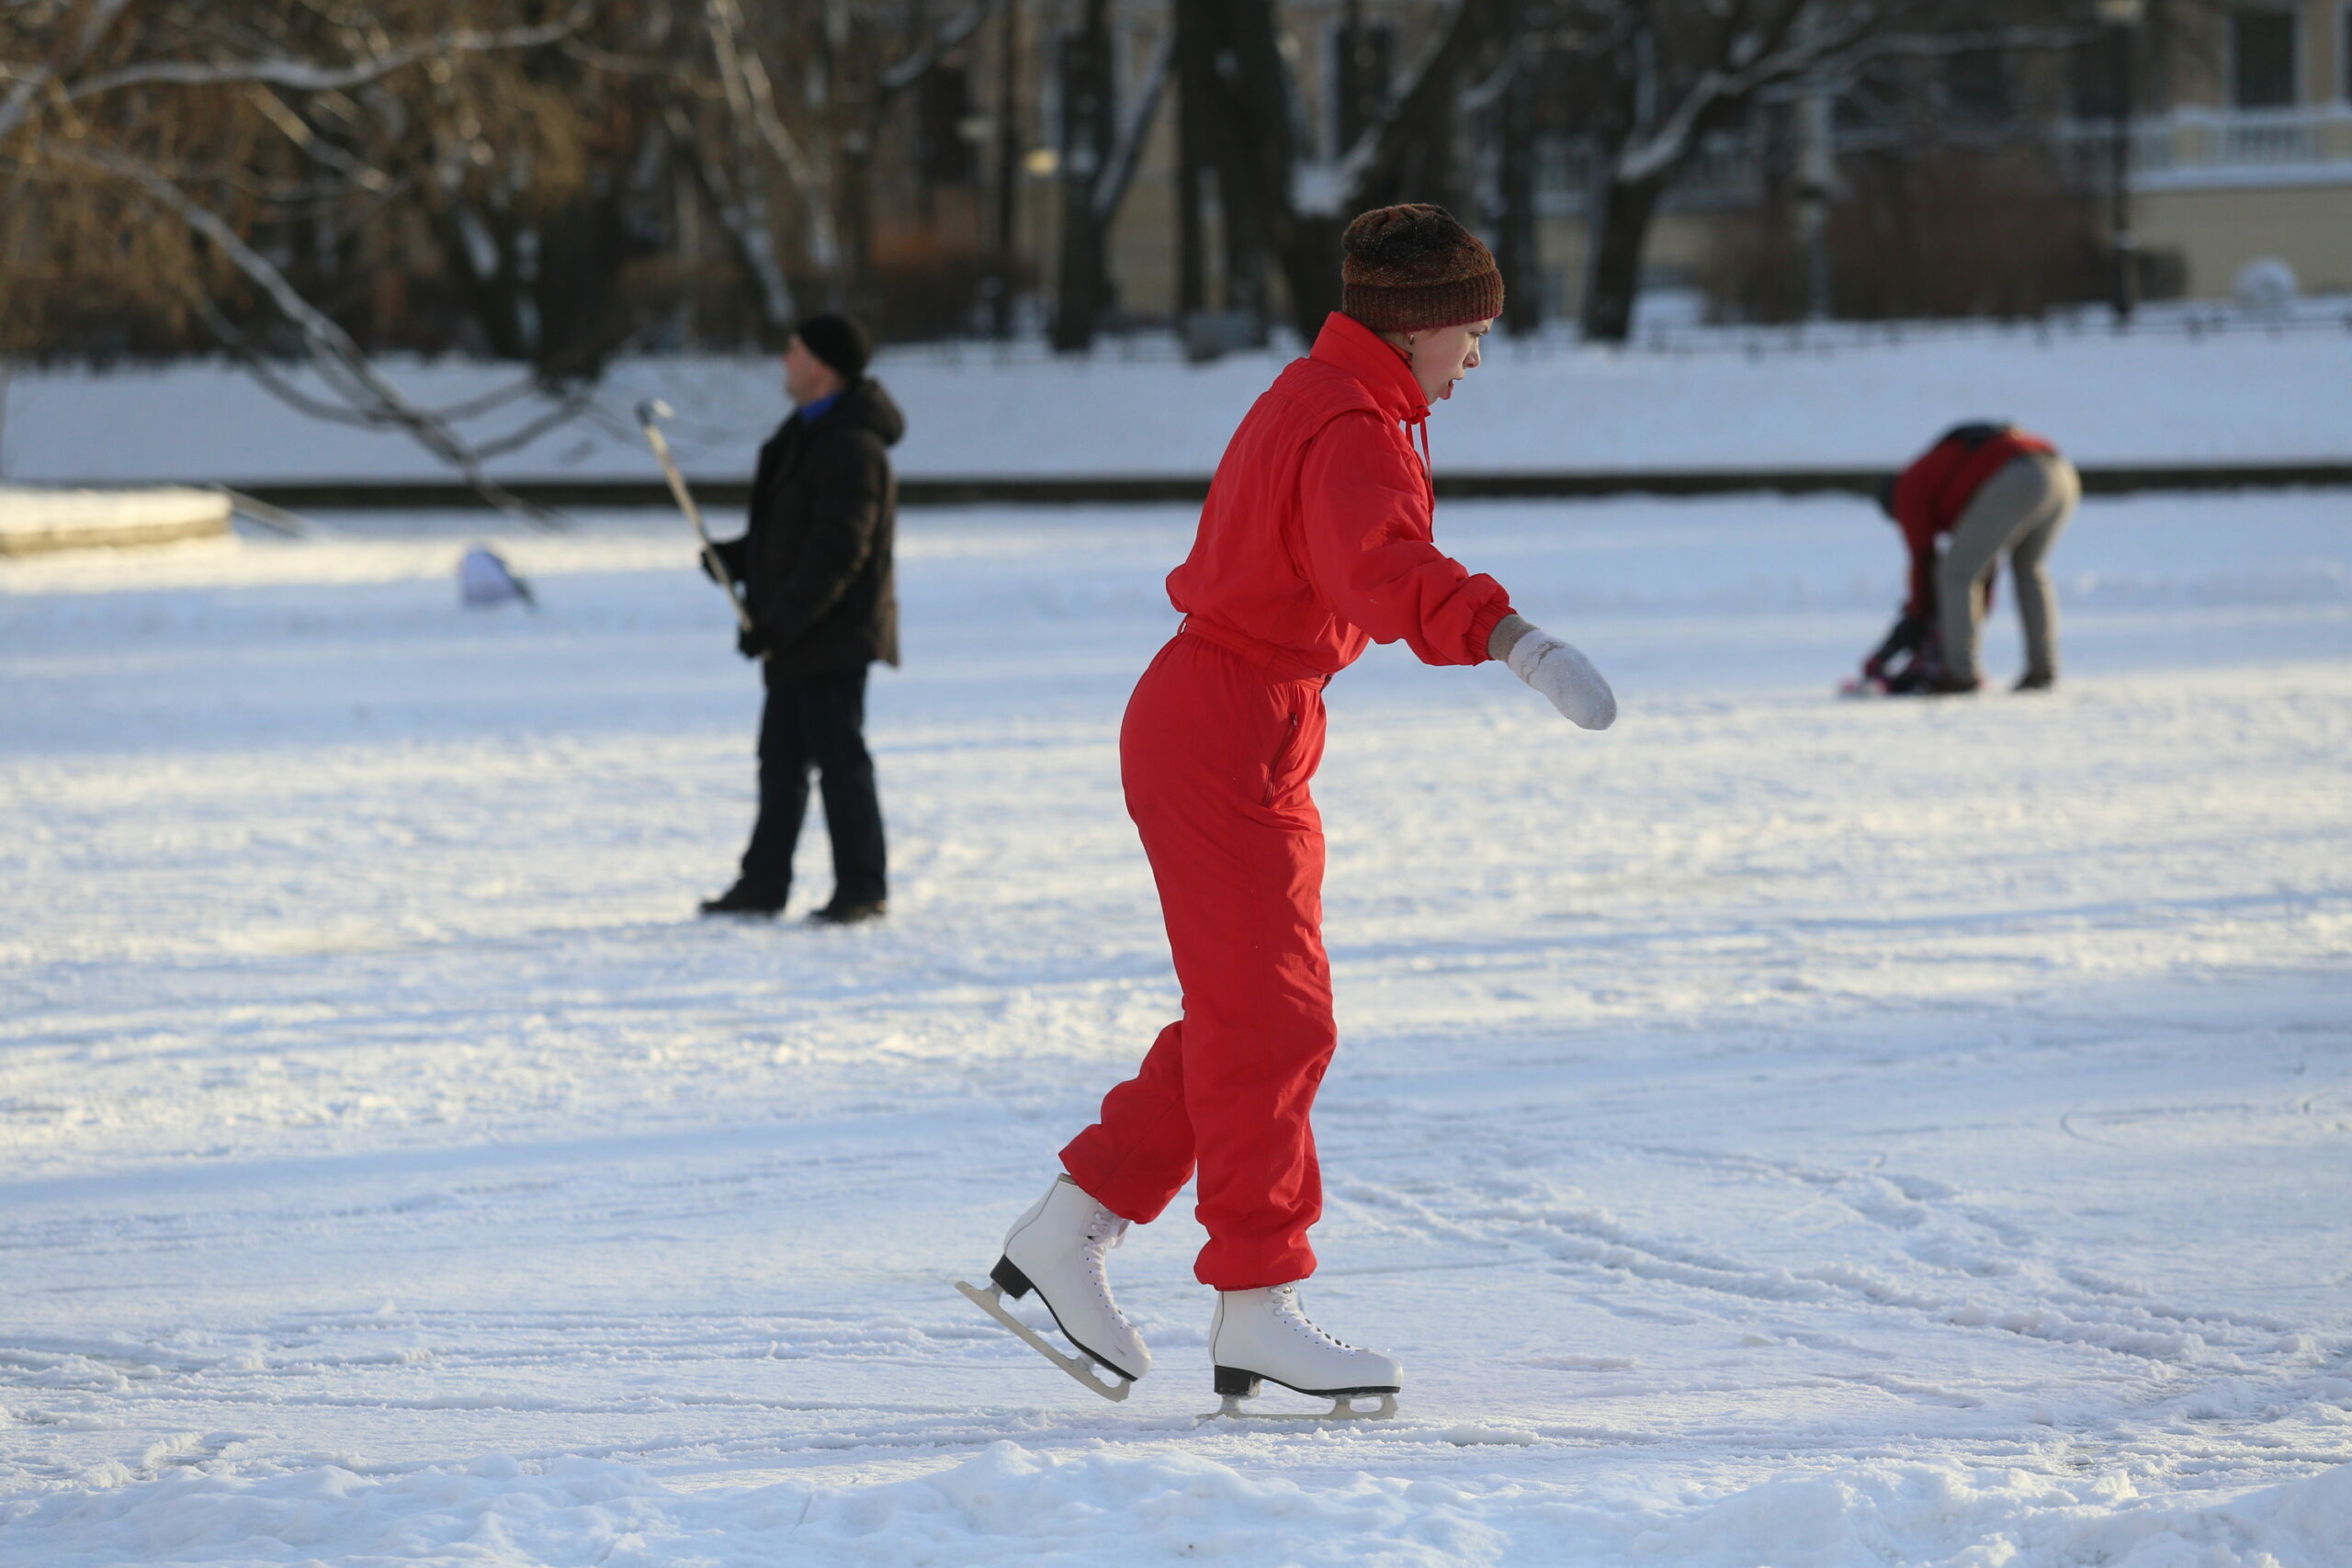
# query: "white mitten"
1565,676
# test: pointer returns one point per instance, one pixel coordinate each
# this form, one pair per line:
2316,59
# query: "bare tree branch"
311,77
298,130
1480,97
34,80
913,68
1767,60
334,355
743,213
1119,171
1327,189
751,98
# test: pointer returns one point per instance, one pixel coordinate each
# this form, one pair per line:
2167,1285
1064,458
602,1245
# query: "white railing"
2187,143
2181,146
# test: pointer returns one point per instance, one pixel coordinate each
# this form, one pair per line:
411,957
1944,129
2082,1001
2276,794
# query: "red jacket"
1932,493
1316,538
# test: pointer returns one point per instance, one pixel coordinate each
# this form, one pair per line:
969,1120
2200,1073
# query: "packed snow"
35,520
2244,396
1777,1131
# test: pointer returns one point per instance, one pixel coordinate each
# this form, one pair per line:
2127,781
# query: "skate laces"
1103,1231
1287,1310
1106,1230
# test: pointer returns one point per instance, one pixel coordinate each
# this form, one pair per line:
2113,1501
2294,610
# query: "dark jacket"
815,562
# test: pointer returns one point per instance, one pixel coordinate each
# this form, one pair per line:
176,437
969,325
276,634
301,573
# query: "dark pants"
817,720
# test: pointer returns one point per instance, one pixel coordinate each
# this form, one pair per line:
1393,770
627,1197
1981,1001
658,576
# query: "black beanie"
839,341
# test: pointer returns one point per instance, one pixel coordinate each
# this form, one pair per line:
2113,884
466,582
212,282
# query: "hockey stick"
649,413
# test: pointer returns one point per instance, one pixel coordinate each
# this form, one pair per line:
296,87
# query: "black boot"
850,913
748,902
2035,680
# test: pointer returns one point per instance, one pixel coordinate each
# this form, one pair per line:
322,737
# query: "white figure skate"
1056,1249
1265,1335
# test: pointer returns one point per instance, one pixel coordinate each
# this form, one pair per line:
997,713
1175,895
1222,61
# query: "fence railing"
2175,147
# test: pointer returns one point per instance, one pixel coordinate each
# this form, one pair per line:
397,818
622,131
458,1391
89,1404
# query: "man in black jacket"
815,566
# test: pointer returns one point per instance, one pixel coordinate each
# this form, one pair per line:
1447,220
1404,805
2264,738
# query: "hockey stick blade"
991,1301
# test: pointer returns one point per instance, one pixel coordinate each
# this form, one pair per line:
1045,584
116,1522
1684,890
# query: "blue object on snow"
485,581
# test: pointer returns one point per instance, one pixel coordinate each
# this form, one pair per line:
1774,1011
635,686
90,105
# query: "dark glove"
1909,635
730,556
752,642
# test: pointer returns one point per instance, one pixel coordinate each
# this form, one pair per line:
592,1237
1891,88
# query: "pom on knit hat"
839,341
1415,266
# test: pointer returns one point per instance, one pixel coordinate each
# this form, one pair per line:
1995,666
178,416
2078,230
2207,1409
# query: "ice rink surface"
1777,1131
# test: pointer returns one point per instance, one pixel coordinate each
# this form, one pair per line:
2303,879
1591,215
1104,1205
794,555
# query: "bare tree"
1099,158
184,133
1669,73
311,179
1273,185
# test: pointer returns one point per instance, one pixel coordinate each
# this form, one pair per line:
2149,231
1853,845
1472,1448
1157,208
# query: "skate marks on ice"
1702,1141
1750,1303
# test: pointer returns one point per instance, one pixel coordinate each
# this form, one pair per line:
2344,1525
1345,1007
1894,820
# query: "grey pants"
2019,512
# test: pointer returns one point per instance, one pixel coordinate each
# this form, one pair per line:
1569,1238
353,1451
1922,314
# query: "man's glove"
1565,676
730,560
752,642
1909,634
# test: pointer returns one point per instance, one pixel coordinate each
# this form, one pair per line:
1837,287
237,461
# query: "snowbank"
1012,1507
34,521
2241,398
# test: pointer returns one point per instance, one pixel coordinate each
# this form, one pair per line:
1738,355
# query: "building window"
2262,59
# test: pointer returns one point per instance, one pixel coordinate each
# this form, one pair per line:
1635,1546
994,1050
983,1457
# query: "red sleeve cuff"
1483,624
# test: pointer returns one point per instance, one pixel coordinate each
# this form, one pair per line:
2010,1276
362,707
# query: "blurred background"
563,185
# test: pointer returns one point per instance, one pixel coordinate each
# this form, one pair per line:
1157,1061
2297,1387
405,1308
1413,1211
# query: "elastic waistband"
1274,663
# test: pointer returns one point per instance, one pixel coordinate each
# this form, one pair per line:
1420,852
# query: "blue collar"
812,412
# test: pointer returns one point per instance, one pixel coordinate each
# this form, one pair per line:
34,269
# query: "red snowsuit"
1315,541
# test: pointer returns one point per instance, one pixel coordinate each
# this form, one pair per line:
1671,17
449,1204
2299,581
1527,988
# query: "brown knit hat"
1413,267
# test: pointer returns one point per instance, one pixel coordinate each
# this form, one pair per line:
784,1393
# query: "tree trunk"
1086,137
1008,168
1620,220
1192,161
1517,253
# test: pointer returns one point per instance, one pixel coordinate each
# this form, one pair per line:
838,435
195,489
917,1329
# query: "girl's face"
1442,355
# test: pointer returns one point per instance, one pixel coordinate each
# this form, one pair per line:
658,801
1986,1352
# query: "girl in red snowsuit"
1315,541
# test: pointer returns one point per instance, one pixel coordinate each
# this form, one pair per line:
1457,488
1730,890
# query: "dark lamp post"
2122,17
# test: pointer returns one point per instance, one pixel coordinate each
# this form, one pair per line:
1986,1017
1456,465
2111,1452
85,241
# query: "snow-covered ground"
2246,396
1775,1132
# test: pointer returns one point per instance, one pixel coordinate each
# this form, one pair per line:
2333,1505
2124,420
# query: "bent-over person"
1988,490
